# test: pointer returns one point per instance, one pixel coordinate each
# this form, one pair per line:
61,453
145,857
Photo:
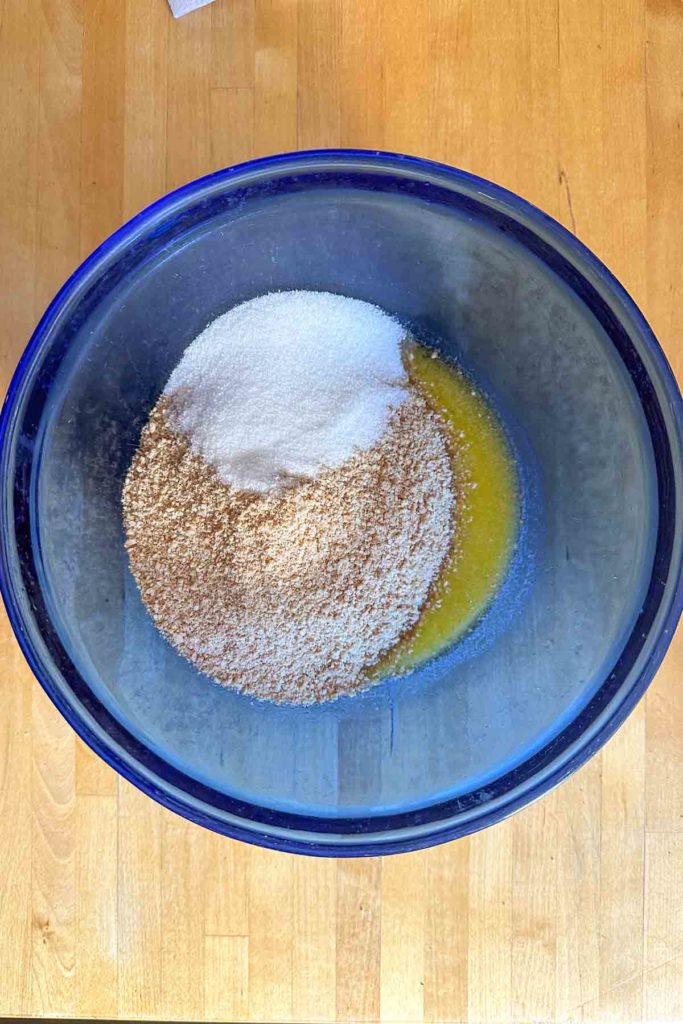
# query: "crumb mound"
290,596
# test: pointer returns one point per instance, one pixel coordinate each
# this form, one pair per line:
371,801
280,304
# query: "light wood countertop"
109,905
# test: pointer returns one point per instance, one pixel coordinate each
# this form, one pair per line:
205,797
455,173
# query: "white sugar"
287,385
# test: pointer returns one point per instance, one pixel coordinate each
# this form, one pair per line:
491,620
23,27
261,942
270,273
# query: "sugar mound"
286,385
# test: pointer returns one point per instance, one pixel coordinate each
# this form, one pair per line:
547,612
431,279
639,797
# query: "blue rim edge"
567,243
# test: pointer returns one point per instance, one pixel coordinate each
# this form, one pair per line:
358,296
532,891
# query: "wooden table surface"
109,905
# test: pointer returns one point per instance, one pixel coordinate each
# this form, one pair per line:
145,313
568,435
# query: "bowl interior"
448,263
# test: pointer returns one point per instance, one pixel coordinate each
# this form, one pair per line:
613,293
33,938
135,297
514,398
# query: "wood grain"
109,905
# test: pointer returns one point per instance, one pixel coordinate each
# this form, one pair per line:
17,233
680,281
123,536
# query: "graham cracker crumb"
291,596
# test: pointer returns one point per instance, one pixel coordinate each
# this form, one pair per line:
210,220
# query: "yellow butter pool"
487,512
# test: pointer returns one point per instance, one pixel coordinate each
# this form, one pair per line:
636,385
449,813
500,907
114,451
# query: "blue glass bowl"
594,589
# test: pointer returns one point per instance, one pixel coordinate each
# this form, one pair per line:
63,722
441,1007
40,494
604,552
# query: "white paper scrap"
180,7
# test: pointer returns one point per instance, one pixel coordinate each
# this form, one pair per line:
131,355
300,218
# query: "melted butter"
486,517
